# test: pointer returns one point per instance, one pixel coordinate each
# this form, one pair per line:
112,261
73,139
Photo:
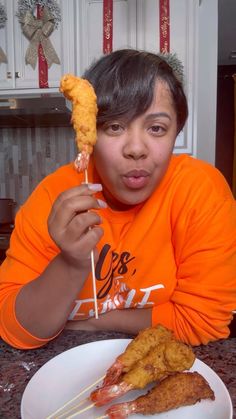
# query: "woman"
162,227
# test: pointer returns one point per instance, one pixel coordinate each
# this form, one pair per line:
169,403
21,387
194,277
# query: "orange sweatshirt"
175,253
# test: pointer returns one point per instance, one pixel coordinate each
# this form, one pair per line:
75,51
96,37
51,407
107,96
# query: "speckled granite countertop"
17,367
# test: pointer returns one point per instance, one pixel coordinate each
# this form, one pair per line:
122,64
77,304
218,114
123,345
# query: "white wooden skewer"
81,411
93,266
76,397
62,415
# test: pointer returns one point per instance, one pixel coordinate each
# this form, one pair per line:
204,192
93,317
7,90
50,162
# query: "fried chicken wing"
84,111
136,350
181,389
167,358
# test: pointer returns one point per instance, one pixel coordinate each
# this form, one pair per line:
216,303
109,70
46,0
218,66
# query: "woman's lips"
136,179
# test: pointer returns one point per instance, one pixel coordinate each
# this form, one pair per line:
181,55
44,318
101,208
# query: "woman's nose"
135,147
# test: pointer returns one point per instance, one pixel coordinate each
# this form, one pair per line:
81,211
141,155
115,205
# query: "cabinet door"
136,24
7,79
89,29
184,43
24,76
62,40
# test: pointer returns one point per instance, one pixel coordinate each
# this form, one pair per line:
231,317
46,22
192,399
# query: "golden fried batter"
137,349
84,110
141,345
181,389
167,358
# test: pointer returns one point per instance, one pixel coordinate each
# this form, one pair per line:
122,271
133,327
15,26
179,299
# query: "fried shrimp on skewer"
181,389
84,111
136,350
167,358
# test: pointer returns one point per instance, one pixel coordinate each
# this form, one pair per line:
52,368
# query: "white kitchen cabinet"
7,44
136,24
184,21
89,29
15,74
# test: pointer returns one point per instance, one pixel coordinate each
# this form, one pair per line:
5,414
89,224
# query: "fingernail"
96,187
101,203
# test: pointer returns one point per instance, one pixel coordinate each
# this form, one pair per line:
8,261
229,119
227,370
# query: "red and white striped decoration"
107,26
164,19
42,62
164,16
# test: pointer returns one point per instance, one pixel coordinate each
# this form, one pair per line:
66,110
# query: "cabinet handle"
9,76
17,75
8,103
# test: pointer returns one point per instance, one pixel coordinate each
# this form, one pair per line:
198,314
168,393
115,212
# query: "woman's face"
132,158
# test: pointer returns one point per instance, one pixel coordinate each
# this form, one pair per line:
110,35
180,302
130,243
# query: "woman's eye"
157,130
113,128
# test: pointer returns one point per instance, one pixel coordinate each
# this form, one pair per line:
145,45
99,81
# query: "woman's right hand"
74,226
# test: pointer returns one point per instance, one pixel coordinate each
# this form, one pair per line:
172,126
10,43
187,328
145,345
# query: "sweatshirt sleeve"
11,330
204,241
31,249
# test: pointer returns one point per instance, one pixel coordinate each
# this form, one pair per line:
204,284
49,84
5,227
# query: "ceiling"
226,32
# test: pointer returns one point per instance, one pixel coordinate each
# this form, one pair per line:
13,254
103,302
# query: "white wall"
207,80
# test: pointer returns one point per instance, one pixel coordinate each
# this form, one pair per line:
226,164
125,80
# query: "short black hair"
124,82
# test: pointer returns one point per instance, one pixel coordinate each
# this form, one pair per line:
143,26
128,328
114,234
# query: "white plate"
64,376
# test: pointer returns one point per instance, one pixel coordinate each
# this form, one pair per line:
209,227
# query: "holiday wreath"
38,29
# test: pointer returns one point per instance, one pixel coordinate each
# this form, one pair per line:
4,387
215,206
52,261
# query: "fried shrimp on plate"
180,389
167,358
136,350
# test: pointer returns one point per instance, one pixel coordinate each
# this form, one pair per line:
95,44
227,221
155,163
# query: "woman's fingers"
74,225
76,192
79,226
79,252
72,202
71,208
88,242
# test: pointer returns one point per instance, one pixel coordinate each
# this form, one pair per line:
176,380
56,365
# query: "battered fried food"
181,389
84,111
137,349
164,359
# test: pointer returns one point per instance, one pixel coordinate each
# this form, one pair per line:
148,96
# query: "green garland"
175,63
